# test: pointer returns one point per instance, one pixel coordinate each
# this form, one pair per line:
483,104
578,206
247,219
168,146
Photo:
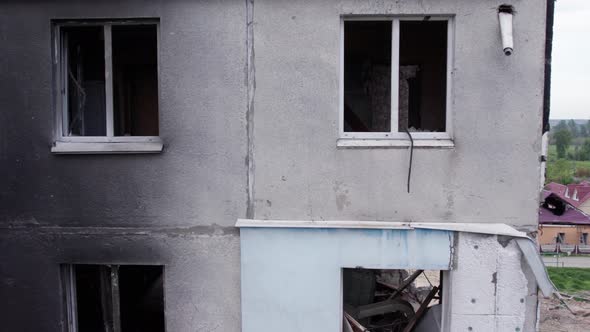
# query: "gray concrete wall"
200,177
176,208
201,274
492,174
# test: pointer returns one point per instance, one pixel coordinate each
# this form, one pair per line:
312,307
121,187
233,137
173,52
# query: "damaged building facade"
225,165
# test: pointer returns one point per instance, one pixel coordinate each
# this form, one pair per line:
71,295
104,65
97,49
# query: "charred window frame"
394,131
121,107
113,298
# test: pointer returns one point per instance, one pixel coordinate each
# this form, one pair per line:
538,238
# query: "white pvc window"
107,97
396,77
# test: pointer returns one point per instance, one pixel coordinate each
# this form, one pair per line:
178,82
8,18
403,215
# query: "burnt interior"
135,80
422,76
128,298
142,298
391,300
85,80
423,44
367,76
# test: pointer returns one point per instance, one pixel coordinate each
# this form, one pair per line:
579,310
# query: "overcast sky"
570,77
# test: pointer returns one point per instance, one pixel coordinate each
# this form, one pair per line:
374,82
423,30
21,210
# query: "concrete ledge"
395,143
480,228
107,147
242,223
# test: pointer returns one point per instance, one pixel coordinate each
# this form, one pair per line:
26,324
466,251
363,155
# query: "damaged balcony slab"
292,270
292,275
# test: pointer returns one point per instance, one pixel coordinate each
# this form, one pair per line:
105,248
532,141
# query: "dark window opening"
85,81
93,295
135,80
109,78
367,76
391,300
423,76
584,239
126,298
142,298
560,238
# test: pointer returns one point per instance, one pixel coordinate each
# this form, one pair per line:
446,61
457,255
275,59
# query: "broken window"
422,75
85,83
109,78
135,81
108,298
395,77
391,300
367,76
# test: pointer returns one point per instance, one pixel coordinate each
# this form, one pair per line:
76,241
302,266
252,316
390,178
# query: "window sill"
396,143
120,147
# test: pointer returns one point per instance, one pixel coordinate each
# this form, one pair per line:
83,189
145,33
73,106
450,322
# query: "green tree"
583,131
562,125
563,138
573,127
584,153
575,154
560,171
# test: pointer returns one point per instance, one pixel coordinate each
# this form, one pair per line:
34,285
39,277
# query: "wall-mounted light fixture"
505,13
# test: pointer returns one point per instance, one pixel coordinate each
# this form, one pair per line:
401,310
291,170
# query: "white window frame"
394,138
64,144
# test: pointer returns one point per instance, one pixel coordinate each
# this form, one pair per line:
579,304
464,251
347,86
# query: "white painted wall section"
291,271
291,277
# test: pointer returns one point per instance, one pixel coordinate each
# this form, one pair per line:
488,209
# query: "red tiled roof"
581,191
571,216
582,194
556,188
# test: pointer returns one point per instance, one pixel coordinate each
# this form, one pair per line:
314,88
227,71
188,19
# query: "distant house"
563,227
576,194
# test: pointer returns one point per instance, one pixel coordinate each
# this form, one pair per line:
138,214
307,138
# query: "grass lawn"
552,156
570,280
563,170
